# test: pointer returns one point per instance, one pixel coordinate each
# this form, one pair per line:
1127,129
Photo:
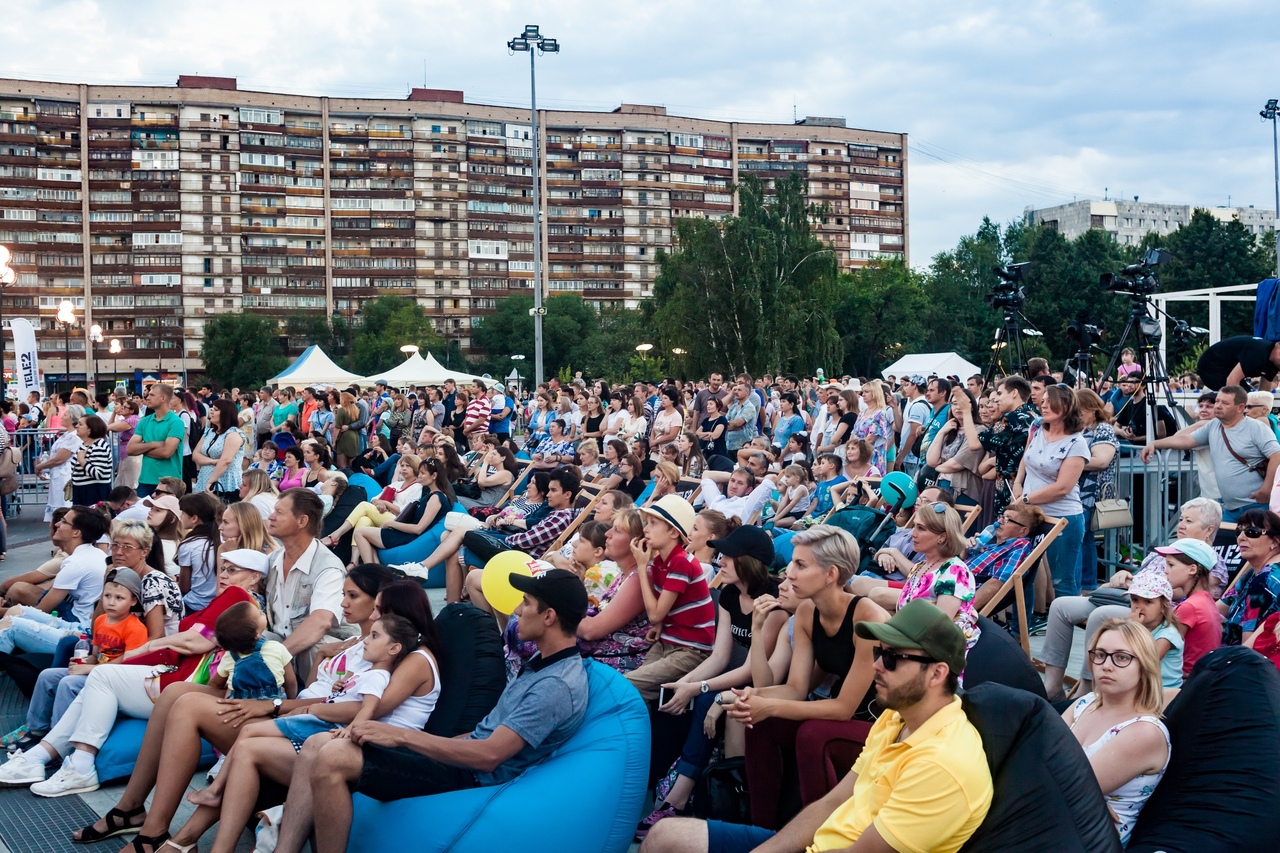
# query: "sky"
1007,104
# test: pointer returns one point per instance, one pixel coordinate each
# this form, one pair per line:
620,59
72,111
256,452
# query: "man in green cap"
921,782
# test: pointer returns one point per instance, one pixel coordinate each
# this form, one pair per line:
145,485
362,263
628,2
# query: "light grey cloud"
1008,103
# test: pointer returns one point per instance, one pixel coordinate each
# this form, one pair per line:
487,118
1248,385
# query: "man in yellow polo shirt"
921,784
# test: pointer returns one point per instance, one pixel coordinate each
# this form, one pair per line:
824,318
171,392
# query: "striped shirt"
691,622
97,464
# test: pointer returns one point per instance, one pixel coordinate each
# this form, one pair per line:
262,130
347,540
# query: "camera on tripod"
1082,332
1007,293
1140,279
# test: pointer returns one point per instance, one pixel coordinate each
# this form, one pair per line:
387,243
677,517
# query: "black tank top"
834,654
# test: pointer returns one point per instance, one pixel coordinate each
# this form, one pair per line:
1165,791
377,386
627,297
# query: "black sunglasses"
1253,532
890,657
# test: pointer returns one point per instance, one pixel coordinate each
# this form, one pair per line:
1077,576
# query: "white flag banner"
26,362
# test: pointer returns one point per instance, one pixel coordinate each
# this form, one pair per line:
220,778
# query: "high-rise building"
154,209
1130,221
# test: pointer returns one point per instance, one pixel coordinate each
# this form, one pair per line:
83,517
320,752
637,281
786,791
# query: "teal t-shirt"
150,429
282,412
1171,663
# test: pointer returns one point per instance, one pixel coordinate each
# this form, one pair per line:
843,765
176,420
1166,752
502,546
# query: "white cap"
245,558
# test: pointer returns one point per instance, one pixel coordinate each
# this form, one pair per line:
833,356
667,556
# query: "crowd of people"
218,572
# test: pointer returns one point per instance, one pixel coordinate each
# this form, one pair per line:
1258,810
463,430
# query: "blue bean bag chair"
418,550
372,488
118,755
586,797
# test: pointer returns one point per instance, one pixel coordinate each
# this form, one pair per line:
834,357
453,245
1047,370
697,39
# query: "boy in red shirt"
676,597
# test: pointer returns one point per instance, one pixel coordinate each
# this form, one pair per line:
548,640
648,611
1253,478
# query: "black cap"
560,590
748,541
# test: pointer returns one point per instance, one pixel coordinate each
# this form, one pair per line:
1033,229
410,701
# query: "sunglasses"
1120,659
889,657
1253,532
161,492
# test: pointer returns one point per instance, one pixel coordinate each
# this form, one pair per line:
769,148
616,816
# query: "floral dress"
1100,484
877,428
952,577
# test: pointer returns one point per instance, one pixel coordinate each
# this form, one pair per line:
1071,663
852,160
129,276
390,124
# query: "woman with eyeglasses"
132,548
1250,599
1118,724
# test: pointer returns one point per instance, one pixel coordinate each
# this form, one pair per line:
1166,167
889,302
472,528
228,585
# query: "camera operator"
1232,360
1131,419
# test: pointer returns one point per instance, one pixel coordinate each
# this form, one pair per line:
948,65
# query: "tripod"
1008,335
1145,329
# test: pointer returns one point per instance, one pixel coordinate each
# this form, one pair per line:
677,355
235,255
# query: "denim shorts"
298,728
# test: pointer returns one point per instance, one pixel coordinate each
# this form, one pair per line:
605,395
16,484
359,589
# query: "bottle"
81,653
44,474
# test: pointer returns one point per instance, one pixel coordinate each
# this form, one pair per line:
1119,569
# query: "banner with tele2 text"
24,350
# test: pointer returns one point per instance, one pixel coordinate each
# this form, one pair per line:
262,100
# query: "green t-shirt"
282,412
150,429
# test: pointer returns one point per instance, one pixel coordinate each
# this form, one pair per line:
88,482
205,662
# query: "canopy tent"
416,370
932,364
313,367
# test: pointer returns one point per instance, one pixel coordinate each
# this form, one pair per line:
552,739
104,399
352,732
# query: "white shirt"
325,595
743,508
137,512
82,575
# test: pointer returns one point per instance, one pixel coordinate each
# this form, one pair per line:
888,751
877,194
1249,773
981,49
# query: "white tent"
416,370
932,364
313,367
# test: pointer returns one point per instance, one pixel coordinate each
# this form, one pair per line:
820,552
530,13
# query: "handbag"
1108,596
469,489
1110,513
722,793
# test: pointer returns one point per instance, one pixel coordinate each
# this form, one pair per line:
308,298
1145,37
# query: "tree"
242,350
390,322
567,329
880,315
752,292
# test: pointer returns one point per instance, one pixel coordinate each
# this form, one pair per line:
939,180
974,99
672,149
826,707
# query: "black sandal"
116,825
152,843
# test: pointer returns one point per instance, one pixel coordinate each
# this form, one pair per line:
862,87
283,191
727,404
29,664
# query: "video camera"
1082,332
1008,291
1140,279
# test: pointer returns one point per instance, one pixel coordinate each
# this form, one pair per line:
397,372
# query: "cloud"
1008,104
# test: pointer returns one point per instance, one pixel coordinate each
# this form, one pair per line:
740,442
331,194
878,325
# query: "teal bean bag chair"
418,550
371,486
118,755
586,798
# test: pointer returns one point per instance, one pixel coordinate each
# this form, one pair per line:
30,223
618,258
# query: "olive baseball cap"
920,625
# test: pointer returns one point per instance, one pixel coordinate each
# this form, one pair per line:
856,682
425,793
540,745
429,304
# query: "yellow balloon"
495,581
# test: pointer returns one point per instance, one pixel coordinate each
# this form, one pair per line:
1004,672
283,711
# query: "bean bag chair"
24,669
1218,793
716,462
473,671
997,657
118,755
1045,794
351,497
417,551
586,797
372,488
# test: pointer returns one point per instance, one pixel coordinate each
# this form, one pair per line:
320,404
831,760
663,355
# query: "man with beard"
921,782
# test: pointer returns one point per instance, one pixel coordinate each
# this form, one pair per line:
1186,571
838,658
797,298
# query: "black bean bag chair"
997,657
346,503
1046,796
1218,794
472,669
716,462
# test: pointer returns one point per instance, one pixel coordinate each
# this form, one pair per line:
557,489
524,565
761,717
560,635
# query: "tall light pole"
95,338
1269,114
114,348
533,43
8,275
67,319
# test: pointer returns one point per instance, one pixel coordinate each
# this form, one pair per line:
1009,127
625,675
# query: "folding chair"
969,516
594,491
515,484
689,488
1050,531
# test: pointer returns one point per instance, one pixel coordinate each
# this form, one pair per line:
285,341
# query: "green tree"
753,291
390,322
567,329
880,315
242,350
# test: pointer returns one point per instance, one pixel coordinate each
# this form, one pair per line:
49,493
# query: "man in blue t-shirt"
501,407
535,715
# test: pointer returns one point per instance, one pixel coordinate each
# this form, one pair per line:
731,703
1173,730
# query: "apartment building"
154,209
1130,221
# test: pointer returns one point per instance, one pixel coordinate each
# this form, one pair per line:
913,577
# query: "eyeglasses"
1120,659
1252,532
1011,520
162,492
889,657
228,569
125,546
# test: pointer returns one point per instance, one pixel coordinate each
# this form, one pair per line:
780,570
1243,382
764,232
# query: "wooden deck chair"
968,516
689,488
1015,581
515,484
594,492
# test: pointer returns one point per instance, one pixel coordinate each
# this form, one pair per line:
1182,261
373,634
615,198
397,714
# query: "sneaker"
1037,625
215,769
67,781
664,810
19,771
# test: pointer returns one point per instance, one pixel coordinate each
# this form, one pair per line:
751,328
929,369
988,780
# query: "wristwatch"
720,699
275,707
704,687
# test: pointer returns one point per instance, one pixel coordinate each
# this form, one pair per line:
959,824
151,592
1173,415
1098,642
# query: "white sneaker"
19,771
215,769
67,781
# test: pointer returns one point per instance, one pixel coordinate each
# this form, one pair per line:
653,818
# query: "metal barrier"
32,490
1155,493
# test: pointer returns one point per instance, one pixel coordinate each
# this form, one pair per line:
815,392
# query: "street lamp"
1268,113
67,319
643,349
95,337
7,277
114,348
533,43
408,350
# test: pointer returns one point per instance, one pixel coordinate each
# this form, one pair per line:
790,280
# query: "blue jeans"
697,746
1064,557
53,694
1231,516
384,472
36,631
